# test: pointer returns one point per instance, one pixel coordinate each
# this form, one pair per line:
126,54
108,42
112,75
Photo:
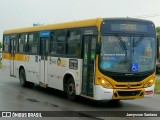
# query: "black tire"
23,82
157,70
71,91
114,101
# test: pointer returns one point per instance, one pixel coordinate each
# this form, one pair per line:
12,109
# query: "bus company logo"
6,114
61,63
129,85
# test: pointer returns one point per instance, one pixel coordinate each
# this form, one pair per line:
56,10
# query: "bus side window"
6,43
53,45
23,43
16,46
73,42
61,42
33,43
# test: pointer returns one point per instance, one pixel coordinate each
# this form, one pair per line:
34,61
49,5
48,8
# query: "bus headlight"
104,83
149,83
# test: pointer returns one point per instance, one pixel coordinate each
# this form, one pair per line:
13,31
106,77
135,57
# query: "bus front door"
89,49
43,60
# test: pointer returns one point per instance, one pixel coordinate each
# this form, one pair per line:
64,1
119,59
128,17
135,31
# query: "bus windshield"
122,54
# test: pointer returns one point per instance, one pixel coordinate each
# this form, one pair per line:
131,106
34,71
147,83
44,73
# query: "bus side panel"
6,62
56,71
30,64
59,67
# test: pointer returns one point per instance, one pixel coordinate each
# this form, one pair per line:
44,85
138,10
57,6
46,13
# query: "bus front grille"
126,86
129,78
129,93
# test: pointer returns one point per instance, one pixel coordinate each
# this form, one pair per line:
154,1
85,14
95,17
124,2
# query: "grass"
157,87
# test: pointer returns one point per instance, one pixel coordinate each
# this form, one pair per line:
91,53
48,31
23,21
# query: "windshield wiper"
122,43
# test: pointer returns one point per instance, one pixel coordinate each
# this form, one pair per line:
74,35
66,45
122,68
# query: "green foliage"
158,29
0,45
157,86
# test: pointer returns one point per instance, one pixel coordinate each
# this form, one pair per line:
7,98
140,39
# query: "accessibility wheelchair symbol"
134,67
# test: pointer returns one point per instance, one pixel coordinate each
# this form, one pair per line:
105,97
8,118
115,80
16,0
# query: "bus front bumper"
101,93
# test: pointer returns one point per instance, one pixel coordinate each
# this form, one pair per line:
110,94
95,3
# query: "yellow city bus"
101,59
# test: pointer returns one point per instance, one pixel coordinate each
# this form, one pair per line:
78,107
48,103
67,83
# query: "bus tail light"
104,83
149,83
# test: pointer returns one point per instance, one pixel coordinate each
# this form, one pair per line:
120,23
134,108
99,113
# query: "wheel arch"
66,79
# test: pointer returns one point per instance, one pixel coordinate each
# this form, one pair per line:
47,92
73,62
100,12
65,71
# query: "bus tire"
71,91
23,82
116,101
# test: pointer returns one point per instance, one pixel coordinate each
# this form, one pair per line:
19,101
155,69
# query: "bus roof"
74,24
129,19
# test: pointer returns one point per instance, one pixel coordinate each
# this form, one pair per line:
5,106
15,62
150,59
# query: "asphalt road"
15,98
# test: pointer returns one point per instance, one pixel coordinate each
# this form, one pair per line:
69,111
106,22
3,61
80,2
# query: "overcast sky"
23,13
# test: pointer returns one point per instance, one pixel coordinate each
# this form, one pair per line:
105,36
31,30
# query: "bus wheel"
71,92
23,81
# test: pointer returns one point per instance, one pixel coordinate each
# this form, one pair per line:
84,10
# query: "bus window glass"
143,52
6,44
31,38
73,40
53,44
60,42
123,54
23,43
33,43
16,44
115,54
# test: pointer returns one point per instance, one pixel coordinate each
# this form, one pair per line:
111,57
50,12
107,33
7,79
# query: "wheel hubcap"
71,89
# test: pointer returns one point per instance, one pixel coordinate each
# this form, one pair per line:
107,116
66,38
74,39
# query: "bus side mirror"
98,48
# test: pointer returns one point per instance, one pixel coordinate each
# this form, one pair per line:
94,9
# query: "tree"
0,45
158,29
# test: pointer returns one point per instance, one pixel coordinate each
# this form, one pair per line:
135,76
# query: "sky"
24,13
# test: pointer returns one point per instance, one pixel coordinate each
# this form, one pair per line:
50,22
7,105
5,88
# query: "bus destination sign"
129,27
